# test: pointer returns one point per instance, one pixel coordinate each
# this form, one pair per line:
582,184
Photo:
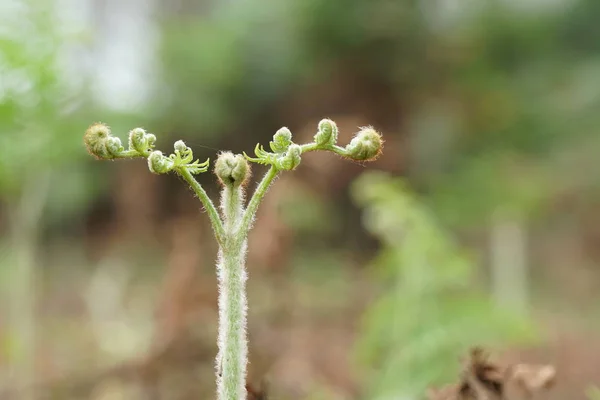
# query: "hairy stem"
232,199
233,346
257,197
206,202
132,154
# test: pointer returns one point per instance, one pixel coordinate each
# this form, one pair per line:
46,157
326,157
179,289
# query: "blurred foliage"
249,56
41,103
228,72
519,99
39,142
428,313
593,393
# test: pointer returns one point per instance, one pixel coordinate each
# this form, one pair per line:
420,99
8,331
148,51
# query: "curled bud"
158,163
232,169
282,139
291,159
141,141
365,146
328,133
183,154
136,138
180,146
150,140
114,146
100,143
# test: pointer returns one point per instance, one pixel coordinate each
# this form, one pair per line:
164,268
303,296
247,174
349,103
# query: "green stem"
232,200
206,202
257,197
132,154
233,304
331,147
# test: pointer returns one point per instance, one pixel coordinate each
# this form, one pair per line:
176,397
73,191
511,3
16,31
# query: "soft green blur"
490,114
429,312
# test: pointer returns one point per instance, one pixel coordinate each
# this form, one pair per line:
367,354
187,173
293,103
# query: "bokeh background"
479,225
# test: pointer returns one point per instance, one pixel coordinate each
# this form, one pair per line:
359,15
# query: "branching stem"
215,221
232,226
259,194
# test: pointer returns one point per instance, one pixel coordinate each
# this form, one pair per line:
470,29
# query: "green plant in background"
38,113
593,393
427,316
232,225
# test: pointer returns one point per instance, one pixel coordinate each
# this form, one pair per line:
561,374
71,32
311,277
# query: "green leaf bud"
114,146
327,134
291,159
365,146
136,139
150,140
183,154
141,141
282,139
158,163
232,169
180,146
100,143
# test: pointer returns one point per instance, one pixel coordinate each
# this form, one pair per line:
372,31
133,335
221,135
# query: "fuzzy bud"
180,146
232,169
328,133
292,158
183,154
136,138
114,146
150,140
282,139
141,141
158,163
100,143
366,145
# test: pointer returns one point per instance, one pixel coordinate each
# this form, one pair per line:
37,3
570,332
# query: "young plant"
232,224
429,310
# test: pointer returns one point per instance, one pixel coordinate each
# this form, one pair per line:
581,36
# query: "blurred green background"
480,224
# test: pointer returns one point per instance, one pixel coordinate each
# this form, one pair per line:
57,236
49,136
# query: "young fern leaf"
231,227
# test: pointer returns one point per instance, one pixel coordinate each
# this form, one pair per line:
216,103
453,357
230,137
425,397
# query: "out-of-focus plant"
284,46
593,393
428,312
232,224
205,84
37,97
37,103
524,92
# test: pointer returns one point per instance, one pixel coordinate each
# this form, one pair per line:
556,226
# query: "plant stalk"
233,305
256,199
206,202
